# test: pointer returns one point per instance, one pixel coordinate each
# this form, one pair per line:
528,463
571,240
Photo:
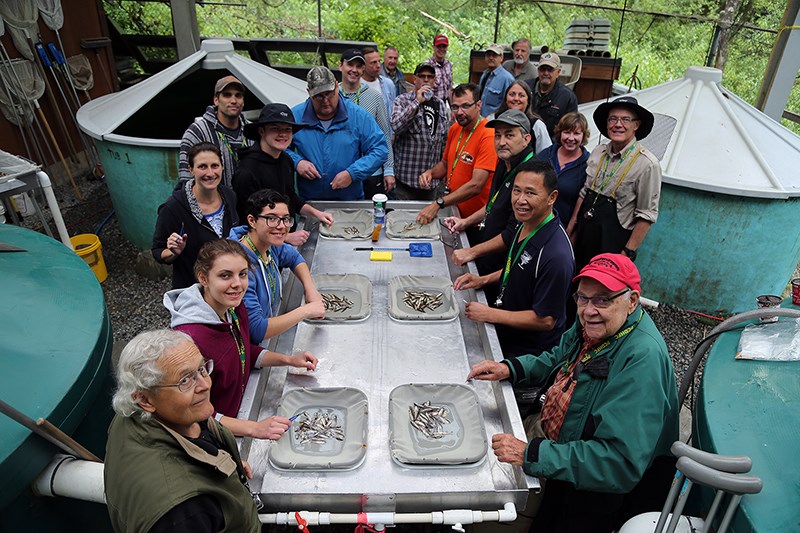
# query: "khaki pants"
533,429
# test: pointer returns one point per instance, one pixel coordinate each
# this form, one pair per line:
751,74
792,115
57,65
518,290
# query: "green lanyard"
460,150
272,280
358,94
237,337
508,177
605,344
231,151
509,263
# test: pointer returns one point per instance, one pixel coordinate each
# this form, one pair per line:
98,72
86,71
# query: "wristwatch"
440,202
630,253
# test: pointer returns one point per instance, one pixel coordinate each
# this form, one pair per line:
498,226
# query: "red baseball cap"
613,271
440,39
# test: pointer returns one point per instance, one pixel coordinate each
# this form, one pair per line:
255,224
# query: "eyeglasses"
625,121
274,222
462,107
188,381
600,302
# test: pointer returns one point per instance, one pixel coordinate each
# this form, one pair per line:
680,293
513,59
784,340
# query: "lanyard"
270,276
460,150
237,337
608,175
606,343
509,263
508,177
357,93
224,139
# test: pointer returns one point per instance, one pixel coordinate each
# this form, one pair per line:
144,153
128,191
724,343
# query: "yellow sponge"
380,256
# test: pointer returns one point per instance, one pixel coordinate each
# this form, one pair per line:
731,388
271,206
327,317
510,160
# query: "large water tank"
729,221
137,131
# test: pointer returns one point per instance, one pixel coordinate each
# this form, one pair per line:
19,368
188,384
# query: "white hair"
138,368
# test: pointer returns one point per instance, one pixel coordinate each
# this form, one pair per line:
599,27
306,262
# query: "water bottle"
379,208
428,94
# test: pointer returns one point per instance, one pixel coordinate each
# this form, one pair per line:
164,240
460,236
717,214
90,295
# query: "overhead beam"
184,25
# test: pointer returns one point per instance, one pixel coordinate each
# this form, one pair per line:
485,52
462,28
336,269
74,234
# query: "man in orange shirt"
469,159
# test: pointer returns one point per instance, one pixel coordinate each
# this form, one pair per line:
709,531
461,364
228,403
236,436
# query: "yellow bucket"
88,248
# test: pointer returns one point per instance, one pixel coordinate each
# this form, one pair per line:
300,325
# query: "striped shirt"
208,129
373,102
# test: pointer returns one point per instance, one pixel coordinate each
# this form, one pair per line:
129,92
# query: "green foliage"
656,48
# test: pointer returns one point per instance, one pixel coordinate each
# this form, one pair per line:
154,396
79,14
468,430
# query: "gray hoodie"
187,306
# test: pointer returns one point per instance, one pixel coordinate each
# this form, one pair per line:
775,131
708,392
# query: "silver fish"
317,428
429,419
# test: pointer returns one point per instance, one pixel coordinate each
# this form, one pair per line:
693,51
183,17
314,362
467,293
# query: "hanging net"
52,14
81,72
20,16
20,85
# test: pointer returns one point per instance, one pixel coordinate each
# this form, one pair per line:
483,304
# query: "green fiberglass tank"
728,227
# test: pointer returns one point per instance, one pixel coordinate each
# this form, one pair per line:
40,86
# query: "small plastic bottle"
379,208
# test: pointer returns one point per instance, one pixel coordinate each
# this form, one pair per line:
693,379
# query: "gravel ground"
134,302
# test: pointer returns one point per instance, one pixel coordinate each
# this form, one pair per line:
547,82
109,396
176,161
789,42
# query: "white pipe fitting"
71,478
58,220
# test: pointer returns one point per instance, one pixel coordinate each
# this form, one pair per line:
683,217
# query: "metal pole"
319,18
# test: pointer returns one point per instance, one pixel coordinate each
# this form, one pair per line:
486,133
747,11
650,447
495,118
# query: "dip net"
20,84
20,17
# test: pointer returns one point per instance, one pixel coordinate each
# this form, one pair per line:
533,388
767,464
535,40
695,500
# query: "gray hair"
522,41
138,368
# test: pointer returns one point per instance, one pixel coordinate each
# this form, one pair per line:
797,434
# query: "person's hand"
462,256
324,217
478,312
455,224
489,371
297,238
421,94
468,281
425,179
342,180
176,243
388,183
306,169
428,214
248,471
314,311
509,449
271,428
304,360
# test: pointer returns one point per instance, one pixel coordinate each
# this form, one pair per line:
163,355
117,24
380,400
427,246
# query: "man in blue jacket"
341,146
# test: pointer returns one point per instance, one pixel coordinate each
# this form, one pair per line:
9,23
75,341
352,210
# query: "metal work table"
376,355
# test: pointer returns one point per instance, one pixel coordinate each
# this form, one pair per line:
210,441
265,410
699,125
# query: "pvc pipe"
647,302
452,517
47,187
71,478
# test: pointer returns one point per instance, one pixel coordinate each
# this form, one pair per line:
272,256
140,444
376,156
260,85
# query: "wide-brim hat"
272,114
646,118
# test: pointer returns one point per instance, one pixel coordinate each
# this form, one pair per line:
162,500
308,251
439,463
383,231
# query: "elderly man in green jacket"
609,409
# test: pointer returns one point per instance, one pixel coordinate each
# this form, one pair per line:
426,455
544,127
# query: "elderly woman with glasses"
609,408
263,238
169,465
619,200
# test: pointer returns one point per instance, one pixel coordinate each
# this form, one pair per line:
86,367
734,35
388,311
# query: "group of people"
548,223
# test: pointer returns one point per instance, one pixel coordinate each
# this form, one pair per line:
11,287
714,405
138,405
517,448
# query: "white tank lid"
100,117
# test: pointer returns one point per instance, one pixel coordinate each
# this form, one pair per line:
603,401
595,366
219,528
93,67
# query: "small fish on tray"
411,226
336,304
351,230
317,428
429,419
423,301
